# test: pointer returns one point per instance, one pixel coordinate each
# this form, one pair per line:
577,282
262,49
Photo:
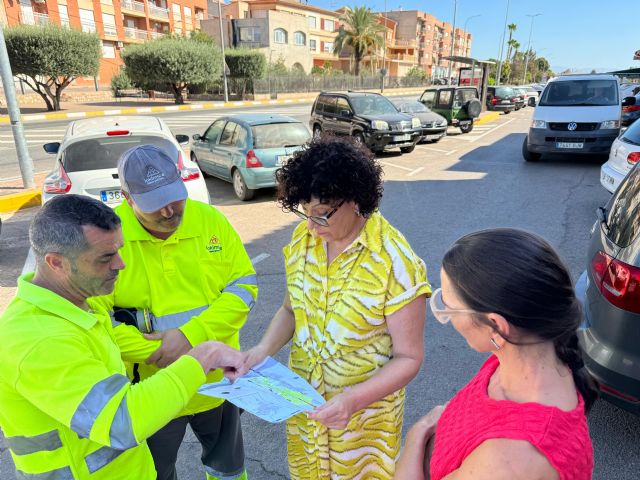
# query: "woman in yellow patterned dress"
355,309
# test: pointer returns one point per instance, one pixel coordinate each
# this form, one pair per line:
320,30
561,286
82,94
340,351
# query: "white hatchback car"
625,153
87,158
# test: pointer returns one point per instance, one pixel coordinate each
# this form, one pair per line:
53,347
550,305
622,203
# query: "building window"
279,35
250,34
108,49
299,38
109,25
329,25
312,45
87,21
64,15
312,22
177,14
328,47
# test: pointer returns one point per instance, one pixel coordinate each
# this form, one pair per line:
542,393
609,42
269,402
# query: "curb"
4,119
489,117
19,201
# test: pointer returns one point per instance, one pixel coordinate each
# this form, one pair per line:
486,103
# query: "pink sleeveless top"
471,417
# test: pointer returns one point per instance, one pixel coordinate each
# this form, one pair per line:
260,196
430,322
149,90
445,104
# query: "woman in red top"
522,416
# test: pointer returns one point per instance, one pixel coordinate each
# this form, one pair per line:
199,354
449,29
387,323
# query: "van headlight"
415,122
538,124
610,124
379,125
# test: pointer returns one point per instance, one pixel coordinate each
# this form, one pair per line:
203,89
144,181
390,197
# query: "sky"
578,34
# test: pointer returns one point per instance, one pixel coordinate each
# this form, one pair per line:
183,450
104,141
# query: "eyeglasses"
441,310
322,220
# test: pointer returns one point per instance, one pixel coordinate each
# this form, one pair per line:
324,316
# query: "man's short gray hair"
57,227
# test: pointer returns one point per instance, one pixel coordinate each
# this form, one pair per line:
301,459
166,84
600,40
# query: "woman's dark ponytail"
568,352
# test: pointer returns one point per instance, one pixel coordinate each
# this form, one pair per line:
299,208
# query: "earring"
495,343
357,211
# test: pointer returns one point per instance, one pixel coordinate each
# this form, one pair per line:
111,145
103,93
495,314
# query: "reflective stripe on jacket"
67,408
199,280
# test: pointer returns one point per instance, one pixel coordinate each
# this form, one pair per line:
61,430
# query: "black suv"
369,117
502,99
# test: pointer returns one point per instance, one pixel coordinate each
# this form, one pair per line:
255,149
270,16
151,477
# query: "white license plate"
569,145
280,159
432,137
505,101
608,179
111,196
400,138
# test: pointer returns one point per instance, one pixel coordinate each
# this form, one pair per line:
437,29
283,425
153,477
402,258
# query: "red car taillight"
494,100
633,158
59,183
618,282
187,174
252,160
631,108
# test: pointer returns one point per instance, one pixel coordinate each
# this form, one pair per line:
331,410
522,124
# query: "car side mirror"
196,136
345,113
52,147
183,140
628,101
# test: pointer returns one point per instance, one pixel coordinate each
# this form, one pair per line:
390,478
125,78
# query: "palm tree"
360,31
512,28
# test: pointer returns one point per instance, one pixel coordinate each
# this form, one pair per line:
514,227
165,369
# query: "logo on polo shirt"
152,176
214,245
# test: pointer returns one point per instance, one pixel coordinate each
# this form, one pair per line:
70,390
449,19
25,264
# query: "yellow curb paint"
129,111
487,118
18,201
95,114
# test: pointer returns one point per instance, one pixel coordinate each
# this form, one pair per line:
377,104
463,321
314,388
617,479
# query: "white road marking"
397,166
432,149
450,153
258,258
412,173
492,130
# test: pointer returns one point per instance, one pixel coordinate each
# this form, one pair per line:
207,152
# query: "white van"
576,114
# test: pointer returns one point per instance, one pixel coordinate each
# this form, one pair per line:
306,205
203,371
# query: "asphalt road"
434,195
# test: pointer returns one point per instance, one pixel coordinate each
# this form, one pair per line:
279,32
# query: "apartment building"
117,22
299,34
432,40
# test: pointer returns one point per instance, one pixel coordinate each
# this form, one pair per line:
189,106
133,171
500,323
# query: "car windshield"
101,153
372,105
580,93
412,107
279,135
632,134
505,92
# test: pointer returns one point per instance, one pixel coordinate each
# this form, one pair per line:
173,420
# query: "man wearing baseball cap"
188,280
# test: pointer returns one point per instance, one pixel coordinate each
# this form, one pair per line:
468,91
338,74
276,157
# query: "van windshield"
580,93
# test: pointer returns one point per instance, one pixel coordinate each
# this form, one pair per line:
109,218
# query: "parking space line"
493,130
432,149
258,258
413,172
397,166
450,153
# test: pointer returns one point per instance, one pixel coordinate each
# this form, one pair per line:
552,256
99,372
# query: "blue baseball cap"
149,175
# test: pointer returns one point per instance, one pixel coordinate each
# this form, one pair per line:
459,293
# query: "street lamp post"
453,38
224,63
384,48
465,31
504,32
528,52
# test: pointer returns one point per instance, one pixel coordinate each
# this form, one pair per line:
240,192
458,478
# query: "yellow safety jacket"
199,280
67,408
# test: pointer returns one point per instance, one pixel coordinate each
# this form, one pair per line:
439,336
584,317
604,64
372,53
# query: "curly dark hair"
331,169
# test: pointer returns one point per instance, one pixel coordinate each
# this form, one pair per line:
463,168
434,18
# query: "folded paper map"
269,390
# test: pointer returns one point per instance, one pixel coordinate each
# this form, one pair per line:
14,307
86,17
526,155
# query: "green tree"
120,81
360,32
512,28
174,62
245,65
278,68
317,70
49,58
416,72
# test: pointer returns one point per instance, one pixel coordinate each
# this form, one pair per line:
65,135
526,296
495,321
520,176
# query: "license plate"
400,138
505,101
569,145
432,137
111,196
608,179
280,159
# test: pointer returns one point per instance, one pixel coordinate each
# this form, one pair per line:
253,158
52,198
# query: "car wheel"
359,138
194,159
243,192
473,108
507,112
408,149
528,155
466,128
317,132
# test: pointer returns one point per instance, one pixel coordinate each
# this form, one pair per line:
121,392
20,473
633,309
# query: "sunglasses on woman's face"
441,310
322,220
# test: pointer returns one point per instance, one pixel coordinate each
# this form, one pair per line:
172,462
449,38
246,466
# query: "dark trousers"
219,433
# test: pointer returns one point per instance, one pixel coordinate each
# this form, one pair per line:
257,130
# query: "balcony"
400,57
32,18
402,43
155,35
158,12
136,8
135,33
110,30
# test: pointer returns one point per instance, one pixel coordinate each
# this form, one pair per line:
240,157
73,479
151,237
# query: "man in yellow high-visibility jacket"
190,280
67,409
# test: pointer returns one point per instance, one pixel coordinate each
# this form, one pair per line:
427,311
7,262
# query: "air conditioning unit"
119,45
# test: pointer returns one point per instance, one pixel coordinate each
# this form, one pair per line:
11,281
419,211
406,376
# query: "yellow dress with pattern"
341,339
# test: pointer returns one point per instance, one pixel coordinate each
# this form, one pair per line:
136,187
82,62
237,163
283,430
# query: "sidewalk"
71,111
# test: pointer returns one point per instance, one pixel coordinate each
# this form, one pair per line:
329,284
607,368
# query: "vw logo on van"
572,126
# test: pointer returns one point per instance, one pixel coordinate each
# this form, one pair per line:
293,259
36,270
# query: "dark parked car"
630,110
370,118
610,291
434,126
458,104
501,99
